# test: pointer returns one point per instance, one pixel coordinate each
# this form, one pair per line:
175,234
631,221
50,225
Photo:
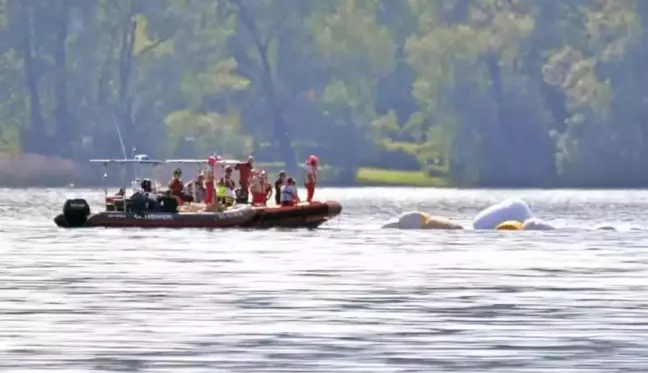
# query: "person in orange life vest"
257,188
289,194
310,177
176,187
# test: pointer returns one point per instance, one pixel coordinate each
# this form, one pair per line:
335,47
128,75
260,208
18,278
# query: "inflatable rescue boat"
155,209
77,214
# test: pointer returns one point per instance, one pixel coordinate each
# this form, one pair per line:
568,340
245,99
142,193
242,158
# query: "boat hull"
304,215
310,215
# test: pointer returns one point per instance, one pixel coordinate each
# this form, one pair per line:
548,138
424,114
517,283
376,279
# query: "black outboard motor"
141,202
75,213
167,203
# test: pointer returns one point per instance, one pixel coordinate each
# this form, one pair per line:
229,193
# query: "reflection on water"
345,298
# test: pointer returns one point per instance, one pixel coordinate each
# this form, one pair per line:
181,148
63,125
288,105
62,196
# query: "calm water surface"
346,298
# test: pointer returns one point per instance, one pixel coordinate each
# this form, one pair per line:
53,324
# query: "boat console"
146,196
142,202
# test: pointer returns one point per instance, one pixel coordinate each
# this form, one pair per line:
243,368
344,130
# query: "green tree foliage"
487,92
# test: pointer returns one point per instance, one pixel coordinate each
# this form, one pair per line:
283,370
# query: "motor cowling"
76,212
141,203
167,204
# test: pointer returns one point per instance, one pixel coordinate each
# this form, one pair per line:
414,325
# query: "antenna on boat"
135,168
119,135
105,179
121,142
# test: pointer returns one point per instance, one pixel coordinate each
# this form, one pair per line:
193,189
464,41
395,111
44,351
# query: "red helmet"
312,160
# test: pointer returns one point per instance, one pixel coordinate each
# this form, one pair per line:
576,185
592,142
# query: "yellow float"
510,225
436,222
421,220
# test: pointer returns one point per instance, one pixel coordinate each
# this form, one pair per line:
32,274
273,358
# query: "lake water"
346,298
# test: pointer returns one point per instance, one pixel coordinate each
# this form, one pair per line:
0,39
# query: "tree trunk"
124,107
496,146
66,133
35,136
280,127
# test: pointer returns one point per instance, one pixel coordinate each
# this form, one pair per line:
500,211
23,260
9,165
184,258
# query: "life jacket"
221,190
310,173
256,186
175,186
288,193
227,182
225,190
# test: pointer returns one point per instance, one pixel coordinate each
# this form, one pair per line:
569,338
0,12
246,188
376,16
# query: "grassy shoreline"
385,177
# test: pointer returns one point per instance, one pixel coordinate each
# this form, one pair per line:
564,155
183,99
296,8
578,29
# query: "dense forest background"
482,92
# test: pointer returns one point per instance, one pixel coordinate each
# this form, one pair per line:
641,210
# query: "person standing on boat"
196,188
289,194
281,180
245,175
175,184
210,183
199,187
176,187
257,189
212,204
310,177
225,187
267,187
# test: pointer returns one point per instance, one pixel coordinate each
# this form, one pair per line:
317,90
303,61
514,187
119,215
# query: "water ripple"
348,297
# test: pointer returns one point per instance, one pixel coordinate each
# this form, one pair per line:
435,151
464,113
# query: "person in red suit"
310,177
245,175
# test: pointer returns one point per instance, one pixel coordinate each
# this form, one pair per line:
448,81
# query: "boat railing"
204,163
137,162
140,160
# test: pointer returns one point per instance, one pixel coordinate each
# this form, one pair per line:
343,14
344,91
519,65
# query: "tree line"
485,92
